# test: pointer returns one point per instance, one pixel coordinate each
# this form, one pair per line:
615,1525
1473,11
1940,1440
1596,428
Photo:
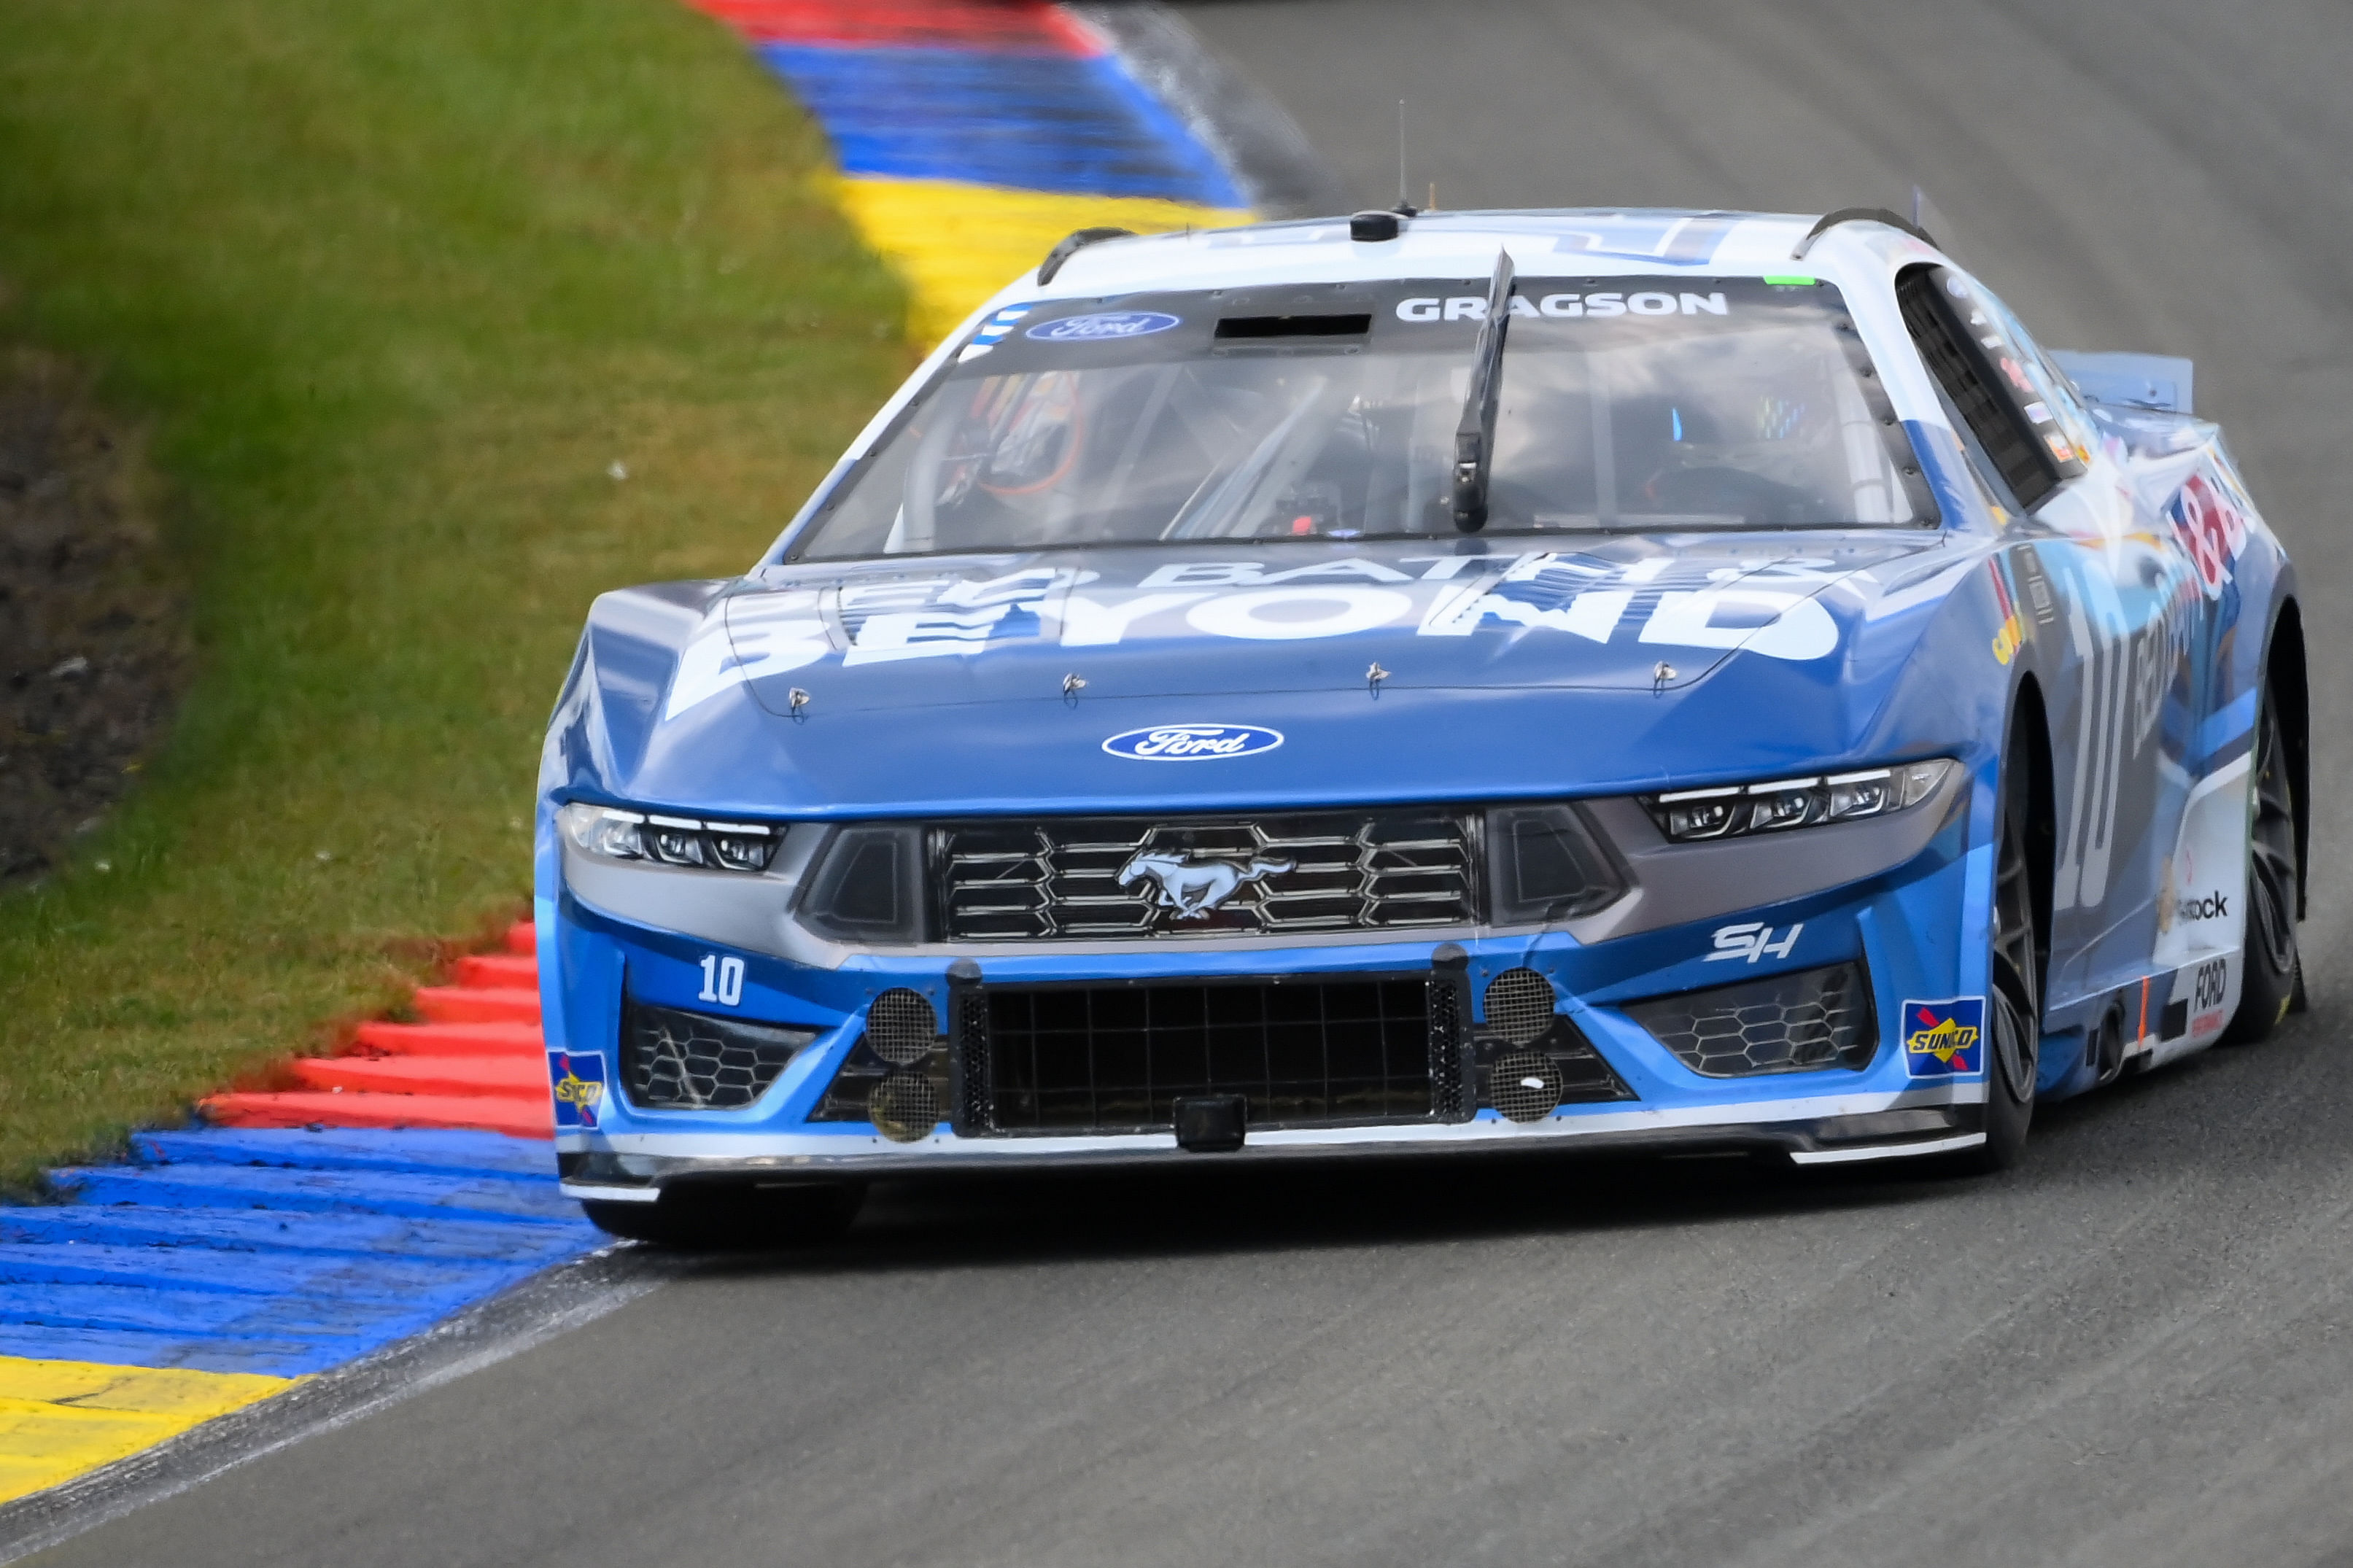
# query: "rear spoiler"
2137,381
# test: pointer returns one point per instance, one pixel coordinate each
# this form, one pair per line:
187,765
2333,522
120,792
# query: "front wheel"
2013,1013
2273,973
733,1216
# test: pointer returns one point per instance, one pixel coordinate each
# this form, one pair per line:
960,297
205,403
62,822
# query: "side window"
1969,345
2052,388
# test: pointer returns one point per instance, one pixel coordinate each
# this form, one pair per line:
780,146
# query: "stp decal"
577,1079
2006,636
1945,1039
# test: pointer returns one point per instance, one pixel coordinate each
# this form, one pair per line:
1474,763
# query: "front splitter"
635,1167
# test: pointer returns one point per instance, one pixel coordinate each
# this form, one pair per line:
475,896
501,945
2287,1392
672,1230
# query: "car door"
2103,608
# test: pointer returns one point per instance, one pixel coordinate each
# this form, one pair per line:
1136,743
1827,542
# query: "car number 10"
722,980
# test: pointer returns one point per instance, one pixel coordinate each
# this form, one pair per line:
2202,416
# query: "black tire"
2013,1016
2272,977
721,1217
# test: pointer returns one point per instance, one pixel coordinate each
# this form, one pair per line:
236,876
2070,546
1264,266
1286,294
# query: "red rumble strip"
1019,27
478,1061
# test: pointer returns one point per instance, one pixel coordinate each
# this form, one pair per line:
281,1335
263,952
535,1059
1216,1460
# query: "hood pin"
1073,685
796,700
1661,674
1375,675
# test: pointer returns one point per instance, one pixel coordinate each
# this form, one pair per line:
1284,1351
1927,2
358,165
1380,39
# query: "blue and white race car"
1418,683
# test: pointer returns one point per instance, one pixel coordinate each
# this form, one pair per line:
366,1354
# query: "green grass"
389,285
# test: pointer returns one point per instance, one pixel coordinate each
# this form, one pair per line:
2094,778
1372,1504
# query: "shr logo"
1752,940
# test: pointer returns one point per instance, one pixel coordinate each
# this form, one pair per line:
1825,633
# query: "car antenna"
1926,219
1474,437
1404,207
1376,224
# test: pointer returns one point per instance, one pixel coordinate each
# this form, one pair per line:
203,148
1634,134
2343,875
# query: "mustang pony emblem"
1193,888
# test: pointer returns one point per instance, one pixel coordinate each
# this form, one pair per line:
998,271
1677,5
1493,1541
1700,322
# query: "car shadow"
2128,1131
1178,1211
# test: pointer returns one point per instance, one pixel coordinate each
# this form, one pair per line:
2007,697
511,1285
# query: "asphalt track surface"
2137,1348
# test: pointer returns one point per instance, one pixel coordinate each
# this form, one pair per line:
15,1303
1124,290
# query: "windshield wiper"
1474,437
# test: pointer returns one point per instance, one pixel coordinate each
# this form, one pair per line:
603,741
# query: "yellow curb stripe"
61,1418
954,244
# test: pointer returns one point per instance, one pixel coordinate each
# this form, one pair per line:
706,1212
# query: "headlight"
1684,815
617,834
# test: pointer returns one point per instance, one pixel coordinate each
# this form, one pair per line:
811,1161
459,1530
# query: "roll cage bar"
1859,215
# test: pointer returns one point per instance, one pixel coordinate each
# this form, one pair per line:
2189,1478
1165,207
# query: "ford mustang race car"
1426,683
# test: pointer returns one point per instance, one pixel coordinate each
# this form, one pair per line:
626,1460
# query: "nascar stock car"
1432,682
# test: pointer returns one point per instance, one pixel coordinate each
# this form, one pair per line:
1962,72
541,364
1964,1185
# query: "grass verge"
392,286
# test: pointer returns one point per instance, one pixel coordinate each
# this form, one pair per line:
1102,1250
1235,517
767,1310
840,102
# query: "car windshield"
1627,403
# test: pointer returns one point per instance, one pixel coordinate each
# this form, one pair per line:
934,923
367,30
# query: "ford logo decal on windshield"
1192,743
1102,324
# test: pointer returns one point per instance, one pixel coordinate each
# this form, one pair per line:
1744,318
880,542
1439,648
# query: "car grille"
1303,1052
1530,1059
1203,877
675,1060
1794,1022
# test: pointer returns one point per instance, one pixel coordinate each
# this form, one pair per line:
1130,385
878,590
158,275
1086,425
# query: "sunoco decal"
1192,743
1101,324
1945,1039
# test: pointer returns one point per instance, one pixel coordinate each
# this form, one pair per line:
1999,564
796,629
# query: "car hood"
1396,671
1289,618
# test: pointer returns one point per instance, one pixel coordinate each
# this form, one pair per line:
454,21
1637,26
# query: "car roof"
1555,242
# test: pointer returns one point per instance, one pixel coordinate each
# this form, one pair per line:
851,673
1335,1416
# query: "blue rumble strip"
279,1251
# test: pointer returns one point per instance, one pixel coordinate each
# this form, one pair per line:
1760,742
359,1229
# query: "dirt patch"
93,633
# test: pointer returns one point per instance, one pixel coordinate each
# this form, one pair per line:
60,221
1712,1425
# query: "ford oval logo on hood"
1192,743
1102,324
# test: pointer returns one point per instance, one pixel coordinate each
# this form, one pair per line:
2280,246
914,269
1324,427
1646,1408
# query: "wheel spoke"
2014,1010
2271,844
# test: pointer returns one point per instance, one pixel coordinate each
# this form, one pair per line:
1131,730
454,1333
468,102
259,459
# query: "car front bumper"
1909,931
1820,1130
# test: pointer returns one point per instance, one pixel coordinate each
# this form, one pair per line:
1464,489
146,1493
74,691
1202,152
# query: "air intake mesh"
1309,1051
1520,1006
1526,1086
900,1027
897,1076
675,1060
1797,1022
1532,1061
905,1107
